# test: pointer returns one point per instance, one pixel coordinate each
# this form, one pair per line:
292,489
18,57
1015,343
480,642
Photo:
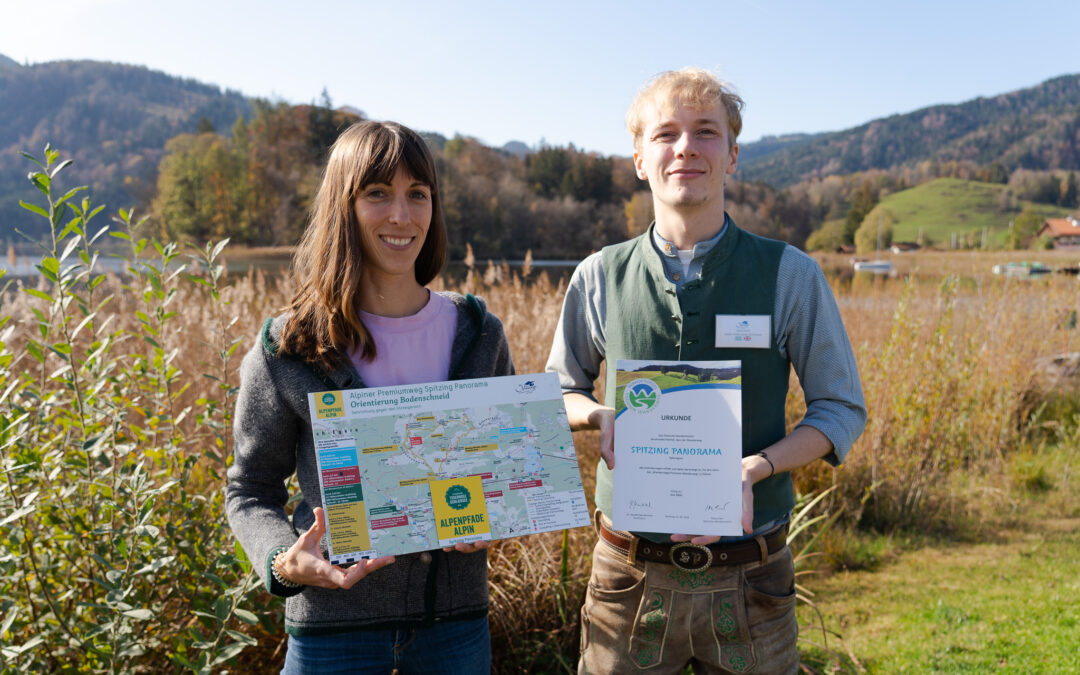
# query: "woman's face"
394,219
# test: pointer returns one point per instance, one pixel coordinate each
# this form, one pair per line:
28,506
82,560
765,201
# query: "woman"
361,317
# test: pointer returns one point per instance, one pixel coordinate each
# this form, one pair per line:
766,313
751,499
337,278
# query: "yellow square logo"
460,510
329,404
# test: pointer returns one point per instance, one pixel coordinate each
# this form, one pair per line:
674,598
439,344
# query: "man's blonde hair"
694,88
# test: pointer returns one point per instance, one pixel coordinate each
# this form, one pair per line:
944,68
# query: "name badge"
747,331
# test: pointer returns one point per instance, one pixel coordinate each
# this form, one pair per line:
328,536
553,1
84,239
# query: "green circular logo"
641,395
328,399
457,497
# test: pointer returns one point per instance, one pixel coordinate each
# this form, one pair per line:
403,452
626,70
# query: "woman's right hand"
304,563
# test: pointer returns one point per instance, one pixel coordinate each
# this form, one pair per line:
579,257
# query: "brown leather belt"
694,558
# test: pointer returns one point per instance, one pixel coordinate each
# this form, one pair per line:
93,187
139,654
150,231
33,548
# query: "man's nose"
684,146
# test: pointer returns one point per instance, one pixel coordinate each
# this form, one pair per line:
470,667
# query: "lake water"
928,268
24,267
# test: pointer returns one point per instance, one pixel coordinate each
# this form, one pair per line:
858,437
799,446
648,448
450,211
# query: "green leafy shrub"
116,554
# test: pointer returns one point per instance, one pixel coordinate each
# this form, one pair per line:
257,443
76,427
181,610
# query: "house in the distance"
1064,231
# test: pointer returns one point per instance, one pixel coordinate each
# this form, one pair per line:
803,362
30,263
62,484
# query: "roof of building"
1061,226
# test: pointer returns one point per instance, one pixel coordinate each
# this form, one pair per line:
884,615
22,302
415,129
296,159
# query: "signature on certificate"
716,507
635,504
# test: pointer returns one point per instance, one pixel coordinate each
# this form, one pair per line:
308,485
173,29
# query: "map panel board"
418,467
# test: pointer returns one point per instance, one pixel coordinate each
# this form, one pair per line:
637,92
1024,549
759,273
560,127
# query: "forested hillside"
211,164
113,119
256,182
1035,128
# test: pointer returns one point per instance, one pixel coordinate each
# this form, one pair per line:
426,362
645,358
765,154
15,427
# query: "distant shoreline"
246,252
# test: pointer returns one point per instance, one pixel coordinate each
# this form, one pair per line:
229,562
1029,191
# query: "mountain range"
1033,128
115,119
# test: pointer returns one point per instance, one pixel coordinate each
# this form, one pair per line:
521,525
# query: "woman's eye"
420,195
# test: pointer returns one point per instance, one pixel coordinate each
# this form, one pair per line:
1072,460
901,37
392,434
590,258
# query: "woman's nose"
399,210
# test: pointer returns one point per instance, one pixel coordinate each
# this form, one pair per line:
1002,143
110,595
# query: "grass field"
948,206
1007,606
999,597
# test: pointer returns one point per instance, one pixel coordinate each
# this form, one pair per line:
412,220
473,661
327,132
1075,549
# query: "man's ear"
733,160
638,168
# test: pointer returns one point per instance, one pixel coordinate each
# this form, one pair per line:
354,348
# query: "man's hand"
699,539
754,468
304,563
603,418
748,491
584,413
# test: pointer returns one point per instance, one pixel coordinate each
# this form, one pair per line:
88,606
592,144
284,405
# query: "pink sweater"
410,349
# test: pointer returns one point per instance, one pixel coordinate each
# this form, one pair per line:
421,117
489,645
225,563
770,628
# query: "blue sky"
565,72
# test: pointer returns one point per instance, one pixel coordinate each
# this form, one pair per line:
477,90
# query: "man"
658,297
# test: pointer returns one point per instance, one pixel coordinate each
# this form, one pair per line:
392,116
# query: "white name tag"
746,330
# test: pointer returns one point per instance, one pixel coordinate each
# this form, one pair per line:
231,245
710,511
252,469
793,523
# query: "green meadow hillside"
948,206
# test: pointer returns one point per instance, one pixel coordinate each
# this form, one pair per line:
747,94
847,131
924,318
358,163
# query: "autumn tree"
864,200
199,187
323,126
589,177
828,237
545,170
1024,228
639,213
875,232
1068,191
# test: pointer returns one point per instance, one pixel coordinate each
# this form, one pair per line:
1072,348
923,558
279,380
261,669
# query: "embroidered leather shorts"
656,618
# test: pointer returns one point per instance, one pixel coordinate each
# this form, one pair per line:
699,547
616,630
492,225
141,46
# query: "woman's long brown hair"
323,322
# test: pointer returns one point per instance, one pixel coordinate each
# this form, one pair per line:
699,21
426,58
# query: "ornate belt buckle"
691,557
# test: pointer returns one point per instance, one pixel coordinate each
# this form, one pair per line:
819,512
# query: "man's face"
685,156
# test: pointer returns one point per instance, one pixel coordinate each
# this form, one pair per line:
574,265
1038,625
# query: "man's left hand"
747,496
747,506
698,539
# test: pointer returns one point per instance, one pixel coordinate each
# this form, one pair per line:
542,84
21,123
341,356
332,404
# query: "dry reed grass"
946,363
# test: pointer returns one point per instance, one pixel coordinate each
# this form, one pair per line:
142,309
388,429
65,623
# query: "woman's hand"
468,548
304,563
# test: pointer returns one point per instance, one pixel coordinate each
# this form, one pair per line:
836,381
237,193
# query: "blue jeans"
453,647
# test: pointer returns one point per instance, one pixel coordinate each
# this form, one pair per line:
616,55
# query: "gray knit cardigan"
273,441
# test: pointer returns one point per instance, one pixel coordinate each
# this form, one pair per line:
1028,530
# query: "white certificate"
678,447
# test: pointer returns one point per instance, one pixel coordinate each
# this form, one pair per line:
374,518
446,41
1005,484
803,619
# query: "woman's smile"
397,242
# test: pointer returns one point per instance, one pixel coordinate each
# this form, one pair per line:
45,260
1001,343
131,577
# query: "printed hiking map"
418,467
